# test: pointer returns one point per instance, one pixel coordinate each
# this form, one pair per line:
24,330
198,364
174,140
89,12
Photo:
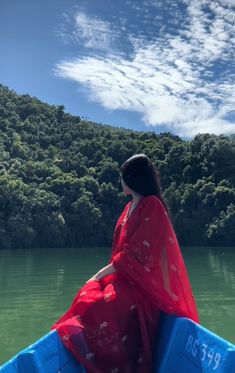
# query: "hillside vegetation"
60,186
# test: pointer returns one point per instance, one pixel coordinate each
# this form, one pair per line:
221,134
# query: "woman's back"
112,322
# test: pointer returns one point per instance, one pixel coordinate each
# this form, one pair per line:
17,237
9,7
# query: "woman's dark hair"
140,174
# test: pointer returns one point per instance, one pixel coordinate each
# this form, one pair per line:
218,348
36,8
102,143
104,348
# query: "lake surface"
37,286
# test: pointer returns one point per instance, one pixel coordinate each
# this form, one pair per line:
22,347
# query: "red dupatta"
111,324
146,252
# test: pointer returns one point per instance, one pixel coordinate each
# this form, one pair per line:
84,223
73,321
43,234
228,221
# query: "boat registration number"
203,352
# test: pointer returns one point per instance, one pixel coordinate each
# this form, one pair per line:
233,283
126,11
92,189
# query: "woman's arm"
103,272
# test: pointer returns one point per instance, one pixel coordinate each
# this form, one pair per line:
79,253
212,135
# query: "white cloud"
94,32
171,80
91,32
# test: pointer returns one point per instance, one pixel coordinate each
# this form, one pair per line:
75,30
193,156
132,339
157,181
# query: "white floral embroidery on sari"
175,297
146,243
103,324
133,306
173,267
107,297
124,338
171,239
90,355
66,337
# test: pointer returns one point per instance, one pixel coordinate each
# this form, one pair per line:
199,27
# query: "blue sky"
142,64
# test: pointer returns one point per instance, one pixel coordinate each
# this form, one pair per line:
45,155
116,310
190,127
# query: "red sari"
112,323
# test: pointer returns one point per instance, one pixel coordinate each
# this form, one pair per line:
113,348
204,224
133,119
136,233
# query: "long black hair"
140,174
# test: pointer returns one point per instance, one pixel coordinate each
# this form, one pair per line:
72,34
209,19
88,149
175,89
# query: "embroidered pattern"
175,297
146,243
66,337
107,297
103,324
90,355
124,338
171,239
173,267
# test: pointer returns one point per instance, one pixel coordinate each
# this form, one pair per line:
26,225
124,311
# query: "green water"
37,286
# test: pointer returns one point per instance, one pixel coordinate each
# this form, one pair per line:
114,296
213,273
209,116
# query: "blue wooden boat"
181,346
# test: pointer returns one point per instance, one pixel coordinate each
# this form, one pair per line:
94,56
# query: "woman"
112,322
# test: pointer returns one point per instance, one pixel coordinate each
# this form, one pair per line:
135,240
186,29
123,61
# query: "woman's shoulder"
152,198
152,201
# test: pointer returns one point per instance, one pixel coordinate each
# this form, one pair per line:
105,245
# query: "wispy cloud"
181,77
91,32
94,32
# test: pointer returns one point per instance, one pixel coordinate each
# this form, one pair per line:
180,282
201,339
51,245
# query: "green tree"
221,230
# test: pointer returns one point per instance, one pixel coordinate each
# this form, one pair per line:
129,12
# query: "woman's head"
139,175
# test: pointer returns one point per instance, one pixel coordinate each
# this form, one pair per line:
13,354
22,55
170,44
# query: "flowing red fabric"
112,323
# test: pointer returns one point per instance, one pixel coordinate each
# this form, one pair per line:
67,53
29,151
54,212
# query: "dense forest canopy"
60,186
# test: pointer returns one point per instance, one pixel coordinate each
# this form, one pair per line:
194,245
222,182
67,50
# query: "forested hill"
60,186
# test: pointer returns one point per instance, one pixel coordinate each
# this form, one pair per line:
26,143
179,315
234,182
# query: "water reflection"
213,277
223,265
